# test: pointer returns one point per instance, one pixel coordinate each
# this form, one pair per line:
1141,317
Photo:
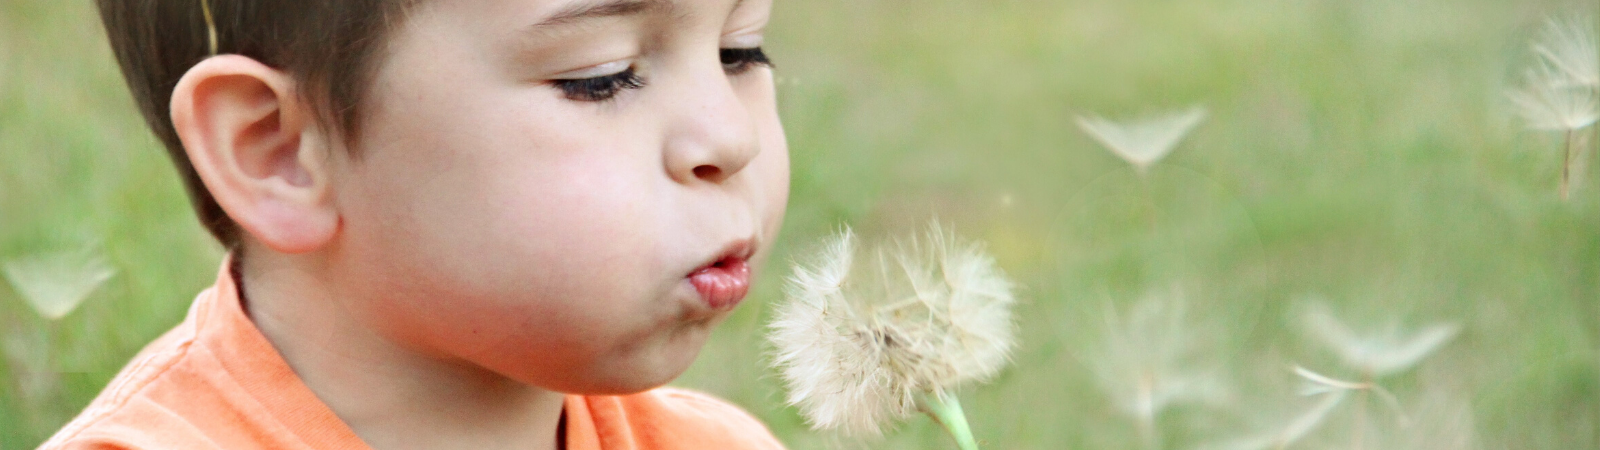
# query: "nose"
712,134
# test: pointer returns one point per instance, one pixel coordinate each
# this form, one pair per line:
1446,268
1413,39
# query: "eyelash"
735,61
740,60
601,88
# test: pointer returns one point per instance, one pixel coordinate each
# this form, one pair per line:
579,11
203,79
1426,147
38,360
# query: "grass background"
1358,151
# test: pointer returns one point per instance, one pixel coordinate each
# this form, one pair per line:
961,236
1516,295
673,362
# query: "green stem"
947,412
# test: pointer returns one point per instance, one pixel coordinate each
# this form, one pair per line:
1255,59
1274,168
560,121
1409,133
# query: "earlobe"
259,151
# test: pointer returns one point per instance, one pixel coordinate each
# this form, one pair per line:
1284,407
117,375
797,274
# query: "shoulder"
108,422
704,419
146,406
706,405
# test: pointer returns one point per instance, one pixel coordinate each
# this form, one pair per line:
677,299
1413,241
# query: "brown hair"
330,47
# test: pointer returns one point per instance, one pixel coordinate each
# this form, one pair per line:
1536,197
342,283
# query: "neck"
392,397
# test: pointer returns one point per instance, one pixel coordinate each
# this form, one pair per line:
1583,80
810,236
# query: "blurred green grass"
1358,151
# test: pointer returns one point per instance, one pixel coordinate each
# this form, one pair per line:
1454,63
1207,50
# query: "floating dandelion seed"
1147,362
1144,141
1291,431
1375,355
1378,354
1318,384
1443,422
54,284
1549,103
863,345
1562,91
1569,44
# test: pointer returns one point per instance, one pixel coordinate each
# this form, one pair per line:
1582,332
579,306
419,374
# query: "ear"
259,151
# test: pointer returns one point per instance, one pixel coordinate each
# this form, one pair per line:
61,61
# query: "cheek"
774,175
497,245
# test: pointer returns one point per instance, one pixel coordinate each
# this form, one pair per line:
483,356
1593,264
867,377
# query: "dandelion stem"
947,412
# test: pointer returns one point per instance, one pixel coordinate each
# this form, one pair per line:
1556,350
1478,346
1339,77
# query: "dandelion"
863,345
1569,45
54,284
1147,362
1143,141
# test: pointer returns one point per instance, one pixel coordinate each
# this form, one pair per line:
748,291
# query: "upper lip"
740,249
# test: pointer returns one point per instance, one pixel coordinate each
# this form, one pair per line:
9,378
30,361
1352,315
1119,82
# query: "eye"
601,88
740,60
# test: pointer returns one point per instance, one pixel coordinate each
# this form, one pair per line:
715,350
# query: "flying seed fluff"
857,345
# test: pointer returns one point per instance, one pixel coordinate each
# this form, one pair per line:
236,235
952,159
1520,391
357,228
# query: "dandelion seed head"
54,284
1143,141
857,343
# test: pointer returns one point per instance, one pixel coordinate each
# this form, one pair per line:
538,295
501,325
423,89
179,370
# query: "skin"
495,244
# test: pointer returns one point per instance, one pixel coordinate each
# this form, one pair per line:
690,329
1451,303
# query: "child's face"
552,231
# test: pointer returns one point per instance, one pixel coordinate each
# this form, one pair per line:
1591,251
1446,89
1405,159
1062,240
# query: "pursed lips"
724,280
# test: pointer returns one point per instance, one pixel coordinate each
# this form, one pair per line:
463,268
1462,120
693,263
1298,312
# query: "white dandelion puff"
54,284
1376,354
1143,141
863,345
1569,44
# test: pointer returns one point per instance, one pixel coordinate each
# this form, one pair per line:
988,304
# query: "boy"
452,223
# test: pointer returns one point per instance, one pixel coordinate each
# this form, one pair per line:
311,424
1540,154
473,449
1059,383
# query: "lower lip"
724,284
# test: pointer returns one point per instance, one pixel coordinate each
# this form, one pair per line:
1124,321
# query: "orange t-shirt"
214,382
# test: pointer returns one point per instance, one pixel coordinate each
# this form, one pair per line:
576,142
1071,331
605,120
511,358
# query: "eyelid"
744,40
600,70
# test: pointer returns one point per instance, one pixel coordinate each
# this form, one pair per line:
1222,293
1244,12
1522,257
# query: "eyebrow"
582,11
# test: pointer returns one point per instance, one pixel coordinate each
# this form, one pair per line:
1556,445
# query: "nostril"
707,172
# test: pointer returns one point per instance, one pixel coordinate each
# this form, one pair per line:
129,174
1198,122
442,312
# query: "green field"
1358,153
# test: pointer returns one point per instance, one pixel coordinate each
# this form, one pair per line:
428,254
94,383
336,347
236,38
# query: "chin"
631,381
637,373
